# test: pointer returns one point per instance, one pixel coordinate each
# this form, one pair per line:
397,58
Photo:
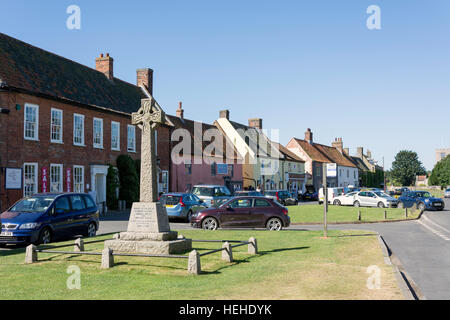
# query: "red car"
244,212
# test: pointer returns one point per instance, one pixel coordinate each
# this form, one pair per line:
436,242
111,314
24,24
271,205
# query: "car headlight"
30,226
427,200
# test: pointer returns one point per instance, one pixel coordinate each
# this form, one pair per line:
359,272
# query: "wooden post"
359,215
406,213
385,214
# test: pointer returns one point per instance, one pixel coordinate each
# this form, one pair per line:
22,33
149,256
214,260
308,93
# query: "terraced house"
62,123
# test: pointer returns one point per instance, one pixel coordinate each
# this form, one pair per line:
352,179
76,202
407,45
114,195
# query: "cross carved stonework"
148,118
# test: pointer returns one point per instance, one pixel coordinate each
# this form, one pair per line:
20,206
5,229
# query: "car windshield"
382,195
33,204
203,191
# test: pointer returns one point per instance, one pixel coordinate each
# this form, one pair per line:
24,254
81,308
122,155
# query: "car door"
372,200
61,219
237,213
79,215
260,212
91,211
197,204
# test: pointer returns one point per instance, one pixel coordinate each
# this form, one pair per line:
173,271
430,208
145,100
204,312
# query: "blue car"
182,205
42,218
423,200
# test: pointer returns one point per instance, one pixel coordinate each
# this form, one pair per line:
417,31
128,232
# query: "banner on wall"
69,180
44,180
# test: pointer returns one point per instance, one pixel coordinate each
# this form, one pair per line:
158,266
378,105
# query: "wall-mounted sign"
44,180
69,180
332,170
222,169
13,179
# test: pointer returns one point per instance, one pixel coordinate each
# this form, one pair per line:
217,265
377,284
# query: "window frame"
60,140
83,117
36,173
61,166
117,124
75,181
130,126
36,128
97,145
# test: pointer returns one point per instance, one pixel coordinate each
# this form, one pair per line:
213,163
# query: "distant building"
441,154
421,181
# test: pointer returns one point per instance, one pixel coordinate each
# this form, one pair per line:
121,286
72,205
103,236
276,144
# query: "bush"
112,183
129,180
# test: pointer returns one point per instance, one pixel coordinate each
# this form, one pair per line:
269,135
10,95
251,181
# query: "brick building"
62,123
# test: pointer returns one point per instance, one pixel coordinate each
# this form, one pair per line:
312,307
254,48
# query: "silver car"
374,199
447,193
212,195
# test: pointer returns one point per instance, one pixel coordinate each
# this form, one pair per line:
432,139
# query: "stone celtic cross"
148,118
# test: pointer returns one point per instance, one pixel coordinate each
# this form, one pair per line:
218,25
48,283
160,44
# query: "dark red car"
244,212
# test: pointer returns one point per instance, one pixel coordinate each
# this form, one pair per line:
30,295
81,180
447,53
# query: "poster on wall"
44,180
13,179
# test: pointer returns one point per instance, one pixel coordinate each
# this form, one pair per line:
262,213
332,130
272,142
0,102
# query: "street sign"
331,170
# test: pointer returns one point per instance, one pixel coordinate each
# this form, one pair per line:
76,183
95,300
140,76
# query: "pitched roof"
312,152
25,67
191,126
360,164
289,155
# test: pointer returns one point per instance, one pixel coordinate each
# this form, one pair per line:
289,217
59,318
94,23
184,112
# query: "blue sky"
296,64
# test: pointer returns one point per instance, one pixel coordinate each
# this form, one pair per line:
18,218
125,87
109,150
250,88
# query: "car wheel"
45,236
274,224
421,207
189,216
400,205
381,205
210,223
336,203
91,230
356,204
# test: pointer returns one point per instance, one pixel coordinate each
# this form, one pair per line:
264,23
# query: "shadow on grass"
12,251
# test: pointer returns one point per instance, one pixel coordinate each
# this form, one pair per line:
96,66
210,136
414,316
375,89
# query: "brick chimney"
309,136
347,151
338,144
255,123
224,114
105,65
180,111
369,154
145,78
360,152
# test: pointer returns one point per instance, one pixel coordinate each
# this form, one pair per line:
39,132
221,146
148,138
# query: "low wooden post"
359,215
252,246
31,255
107,258
227,254
406,212
385,214
79,245
194,265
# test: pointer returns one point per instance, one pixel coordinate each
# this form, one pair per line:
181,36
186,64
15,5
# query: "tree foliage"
129,180
440,176
406,167
112,183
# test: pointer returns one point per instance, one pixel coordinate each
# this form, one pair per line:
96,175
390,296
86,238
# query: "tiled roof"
312,152
25,67
360,164
190,126
289,155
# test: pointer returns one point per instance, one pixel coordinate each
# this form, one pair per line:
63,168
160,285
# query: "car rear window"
89,202
170,200
259,203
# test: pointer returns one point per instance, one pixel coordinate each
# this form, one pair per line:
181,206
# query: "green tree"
406,167
129,180
440,176
112,183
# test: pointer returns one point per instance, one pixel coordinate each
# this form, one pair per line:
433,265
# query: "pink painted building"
207,158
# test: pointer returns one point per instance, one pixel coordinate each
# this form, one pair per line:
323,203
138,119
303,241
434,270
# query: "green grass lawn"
291,265
339,214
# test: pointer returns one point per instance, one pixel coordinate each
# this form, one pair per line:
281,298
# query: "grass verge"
313,214
291,265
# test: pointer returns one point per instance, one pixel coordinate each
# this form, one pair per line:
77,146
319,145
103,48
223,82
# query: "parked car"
347,199
41,218
447,193
292,200
351,189
248,194
399,191
332,194
423,200
244,212
374,199
282,196
182,205
212,195
310,196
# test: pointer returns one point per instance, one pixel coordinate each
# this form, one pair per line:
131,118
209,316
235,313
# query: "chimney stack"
145,78
309,136
369,154
180,111
347,151
338,144
224,114
360,152
105,65
255,123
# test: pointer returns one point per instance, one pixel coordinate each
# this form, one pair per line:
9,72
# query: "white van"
332,193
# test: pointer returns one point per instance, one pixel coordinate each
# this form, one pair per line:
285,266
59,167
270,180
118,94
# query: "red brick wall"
15,150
